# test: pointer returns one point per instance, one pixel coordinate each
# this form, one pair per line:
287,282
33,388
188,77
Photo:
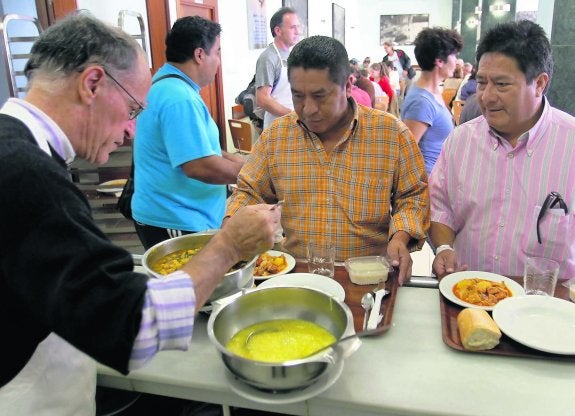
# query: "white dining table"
407,371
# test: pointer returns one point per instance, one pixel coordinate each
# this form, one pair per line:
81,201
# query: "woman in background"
423,109
377,74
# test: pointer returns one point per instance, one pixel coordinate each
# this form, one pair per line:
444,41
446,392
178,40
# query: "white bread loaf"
477,330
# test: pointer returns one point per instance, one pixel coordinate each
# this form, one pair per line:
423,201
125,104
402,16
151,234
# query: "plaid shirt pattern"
371,185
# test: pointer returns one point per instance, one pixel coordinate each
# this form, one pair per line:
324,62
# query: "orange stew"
267,264
481,292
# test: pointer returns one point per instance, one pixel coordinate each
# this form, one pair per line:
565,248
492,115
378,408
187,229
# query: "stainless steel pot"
282,303
233,281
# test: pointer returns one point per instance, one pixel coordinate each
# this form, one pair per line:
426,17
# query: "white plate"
290,264
447,283
313,281
293,396
112,187
541,322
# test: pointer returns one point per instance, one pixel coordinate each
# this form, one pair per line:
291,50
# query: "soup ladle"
362,334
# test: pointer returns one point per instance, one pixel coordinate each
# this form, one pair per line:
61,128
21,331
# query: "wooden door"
213,94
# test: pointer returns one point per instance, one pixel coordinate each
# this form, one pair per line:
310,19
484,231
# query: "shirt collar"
351,127
45,131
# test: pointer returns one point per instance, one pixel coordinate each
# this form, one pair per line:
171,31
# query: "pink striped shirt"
490,194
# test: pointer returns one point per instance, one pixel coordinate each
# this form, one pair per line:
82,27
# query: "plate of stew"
481,290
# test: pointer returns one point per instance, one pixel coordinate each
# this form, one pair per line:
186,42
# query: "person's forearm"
402,236
270,105
207,270
217,170
441,234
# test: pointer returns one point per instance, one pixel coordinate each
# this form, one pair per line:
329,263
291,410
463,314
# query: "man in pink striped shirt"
489,187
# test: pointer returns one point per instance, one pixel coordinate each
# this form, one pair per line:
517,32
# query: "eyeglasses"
550,202
134,112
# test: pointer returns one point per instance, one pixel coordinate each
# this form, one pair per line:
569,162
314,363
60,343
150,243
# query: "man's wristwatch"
443,247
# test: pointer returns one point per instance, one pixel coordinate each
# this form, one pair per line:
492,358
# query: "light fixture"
472,22
500,7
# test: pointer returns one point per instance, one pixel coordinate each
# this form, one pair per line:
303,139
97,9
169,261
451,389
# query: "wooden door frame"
220,118
158,22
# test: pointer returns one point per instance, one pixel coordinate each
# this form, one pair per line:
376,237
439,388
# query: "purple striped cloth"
491,194
167,318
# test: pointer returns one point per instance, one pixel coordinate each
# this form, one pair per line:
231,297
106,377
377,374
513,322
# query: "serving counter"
406,371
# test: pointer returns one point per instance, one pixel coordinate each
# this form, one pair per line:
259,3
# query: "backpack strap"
172,76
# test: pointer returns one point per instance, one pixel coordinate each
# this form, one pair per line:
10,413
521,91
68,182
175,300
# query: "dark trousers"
150,235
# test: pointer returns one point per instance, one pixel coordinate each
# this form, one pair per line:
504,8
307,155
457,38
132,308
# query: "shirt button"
501,225
509,155
496,258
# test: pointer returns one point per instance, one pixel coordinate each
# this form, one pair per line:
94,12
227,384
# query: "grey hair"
77,41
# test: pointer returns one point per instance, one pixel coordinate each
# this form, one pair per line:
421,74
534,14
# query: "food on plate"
481,292
266,264
367,270
279,340
477,330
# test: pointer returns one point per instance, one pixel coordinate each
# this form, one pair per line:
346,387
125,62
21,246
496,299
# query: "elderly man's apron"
58,380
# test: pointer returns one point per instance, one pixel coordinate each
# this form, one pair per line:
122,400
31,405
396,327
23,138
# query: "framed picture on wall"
401,29
300,6
257,27
338,22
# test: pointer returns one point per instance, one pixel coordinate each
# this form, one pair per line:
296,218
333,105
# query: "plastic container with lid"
367,270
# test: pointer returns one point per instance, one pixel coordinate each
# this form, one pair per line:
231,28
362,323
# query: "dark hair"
278,18
188,34
523,41
436,43
77,40
321,52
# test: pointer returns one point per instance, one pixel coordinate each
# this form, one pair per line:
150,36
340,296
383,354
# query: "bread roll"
477,330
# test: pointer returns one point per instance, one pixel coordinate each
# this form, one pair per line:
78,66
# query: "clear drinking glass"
321,258
540,276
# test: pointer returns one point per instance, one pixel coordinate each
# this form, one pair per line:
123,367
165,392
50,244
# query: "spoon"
362,334
367,302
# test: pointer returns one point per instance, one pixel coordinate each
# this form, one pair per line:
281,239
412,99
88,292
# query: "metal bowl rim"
185,237
313,358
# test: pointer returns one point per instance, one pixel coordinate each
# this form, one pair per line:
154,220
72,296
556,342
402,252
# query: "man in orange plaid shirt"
350,175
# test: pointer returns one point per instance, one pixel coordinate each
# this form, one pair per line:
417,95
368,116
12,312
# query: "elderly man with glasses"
67,294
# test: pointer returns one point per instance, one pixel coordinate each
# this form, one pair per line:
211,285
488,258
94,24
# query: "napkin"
422,261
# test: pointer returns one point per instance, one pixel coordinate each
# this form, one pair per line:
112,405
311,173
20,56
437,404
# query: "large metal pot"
233,282
282,303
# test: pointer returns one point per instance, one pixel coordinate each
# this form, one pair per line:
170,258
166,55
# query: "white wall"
361,32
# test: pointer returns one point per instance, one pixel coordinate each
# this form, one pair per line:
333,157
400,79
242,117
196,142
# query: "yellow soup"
173,261
279,340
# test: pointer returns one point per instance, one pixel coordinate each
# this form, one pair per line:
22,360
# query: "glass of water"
540,276
321,258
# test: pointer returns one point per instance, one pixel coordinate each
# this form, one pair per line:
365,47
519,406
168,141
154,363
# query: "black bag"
124,204
247,98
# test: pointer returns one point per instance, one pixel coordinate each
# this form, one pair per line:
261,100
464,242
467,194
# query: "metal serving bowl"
233,282
281,303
